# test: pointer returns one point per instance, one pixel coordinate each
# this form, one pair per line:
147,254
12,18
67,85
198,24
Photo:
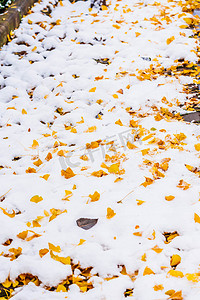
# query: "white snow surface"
56,69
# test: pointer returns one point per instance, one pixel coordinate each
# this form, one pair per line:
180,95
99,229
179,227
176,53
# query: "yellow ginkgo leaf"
12,215
35,144
91,129
169,198
148,271
115,96
140,202
23,235
195,277
196,218
63,260
169,40
197,147
131,146
46,176
61,288
175,273
110,213
24,112
36,199
175,260
81,242
54,248
158,287
38,162
43,252
114,168
95,196
104,7
68,173
92,90
119,122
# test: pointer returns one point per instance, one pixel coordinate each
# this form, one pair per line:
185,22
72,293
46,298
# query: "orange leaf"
35,144
95,196
54,248
92,90
196,218
36,199
147,271
68,173
7,214
169,198
43,252
110,213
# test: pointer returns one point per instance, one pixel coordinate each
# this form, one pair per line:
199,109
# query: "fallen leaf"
169,198
54,248
196,218
68,173
148,271
36,199
110,213
95,196
35,144
197,147
175,260
43,252
92,90
63,260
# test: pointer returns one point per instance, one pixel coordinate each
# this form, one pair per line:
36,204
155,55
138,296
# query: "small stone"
86,223
192,117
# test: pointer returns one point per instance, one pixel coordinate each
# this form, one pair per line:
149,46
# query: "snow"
47,67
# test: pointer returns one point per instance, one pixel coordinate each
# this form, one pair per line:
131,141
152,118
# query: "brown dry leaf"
110,213
68,173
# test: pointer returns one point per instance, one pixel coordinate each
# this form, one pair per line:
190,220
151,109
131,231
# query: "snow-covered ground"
87,131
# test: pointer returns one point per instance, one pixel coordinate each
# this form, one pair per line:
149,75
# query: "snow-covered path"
90,128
